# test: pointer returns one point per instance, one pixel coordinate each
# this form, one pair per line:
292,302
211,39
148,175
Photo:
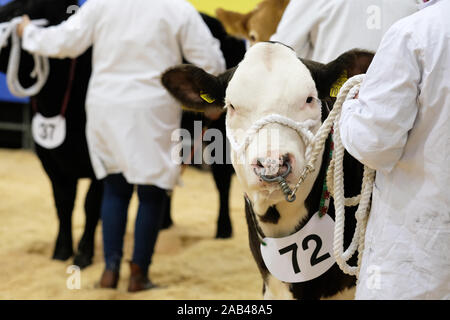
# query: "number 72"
314,259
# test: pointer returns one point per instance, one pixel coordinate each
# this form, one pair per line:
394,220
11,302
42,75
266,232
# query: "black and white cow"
70,161
272,80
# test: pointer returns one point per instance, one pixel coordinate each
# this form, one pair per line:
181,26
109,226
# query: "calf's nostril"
288,158
259,163
272,167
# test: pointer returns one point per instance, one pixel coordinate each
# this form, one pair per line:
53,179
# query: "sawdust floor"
188,262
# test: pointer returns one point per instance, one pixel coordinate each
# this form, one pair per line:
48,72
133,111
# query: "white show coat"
400,126
321,30
130,116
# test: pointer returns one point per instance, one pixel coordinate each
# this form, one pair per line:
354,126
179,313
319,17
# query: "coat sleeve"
68,39
374,128
297,22
198,44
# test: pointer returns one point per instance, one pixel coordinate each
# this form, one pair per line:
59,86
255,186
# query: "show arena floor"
189,263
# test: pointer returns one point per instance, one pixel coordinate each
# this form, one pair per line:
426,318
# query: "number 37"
314,259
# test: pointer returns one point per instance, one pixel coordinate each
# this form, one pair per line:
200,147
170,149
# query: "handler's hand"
21,27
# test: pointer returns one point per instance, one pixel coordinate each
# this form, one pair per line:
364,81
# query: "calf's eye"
309,99
231,106
252,35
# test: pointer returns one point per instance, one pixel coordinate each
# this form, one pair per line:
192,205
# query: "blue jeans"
116,199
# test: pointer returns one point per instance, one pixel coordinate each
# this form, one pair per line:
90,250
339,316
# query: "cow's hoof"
82,260
224,234
62,254
63,247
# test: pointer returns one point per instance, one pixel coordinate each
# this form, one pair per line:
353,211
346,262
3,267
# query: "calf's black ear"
196,89
330,77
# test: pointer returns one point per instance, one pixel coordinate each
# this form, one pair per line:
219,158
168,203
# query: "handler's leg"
167,218
116,198
152,202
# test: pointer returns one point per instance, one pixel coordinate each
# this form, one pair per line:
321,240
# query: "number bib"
304,255
49,133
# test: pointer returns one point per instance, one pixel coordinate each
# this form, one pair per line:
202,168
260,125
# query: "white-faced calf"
274,101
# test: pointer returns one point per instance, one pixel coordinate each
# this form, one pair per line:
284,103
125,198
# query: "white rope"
41,64
335,182
302,128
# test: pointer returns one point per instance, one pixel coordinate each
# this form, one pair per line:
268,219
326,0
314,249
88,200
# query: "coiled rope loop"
335,183
41,64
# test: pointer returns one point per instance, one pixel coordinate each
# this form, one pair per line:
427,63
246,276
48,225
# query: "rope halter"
303,129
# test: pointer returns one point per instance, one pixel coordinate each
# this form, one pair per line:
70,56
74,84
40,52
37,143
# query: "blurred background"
15,115
188,260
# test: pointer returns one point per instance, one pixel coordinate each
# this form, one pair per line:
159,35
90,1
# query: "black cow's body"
66,164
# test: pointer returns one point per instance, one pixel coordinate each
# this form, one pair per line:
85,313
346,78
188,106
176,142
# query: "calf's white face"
270,80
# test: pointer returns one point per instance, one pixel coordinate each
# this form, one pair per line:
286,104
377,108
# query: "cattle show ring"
238,181
189,261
